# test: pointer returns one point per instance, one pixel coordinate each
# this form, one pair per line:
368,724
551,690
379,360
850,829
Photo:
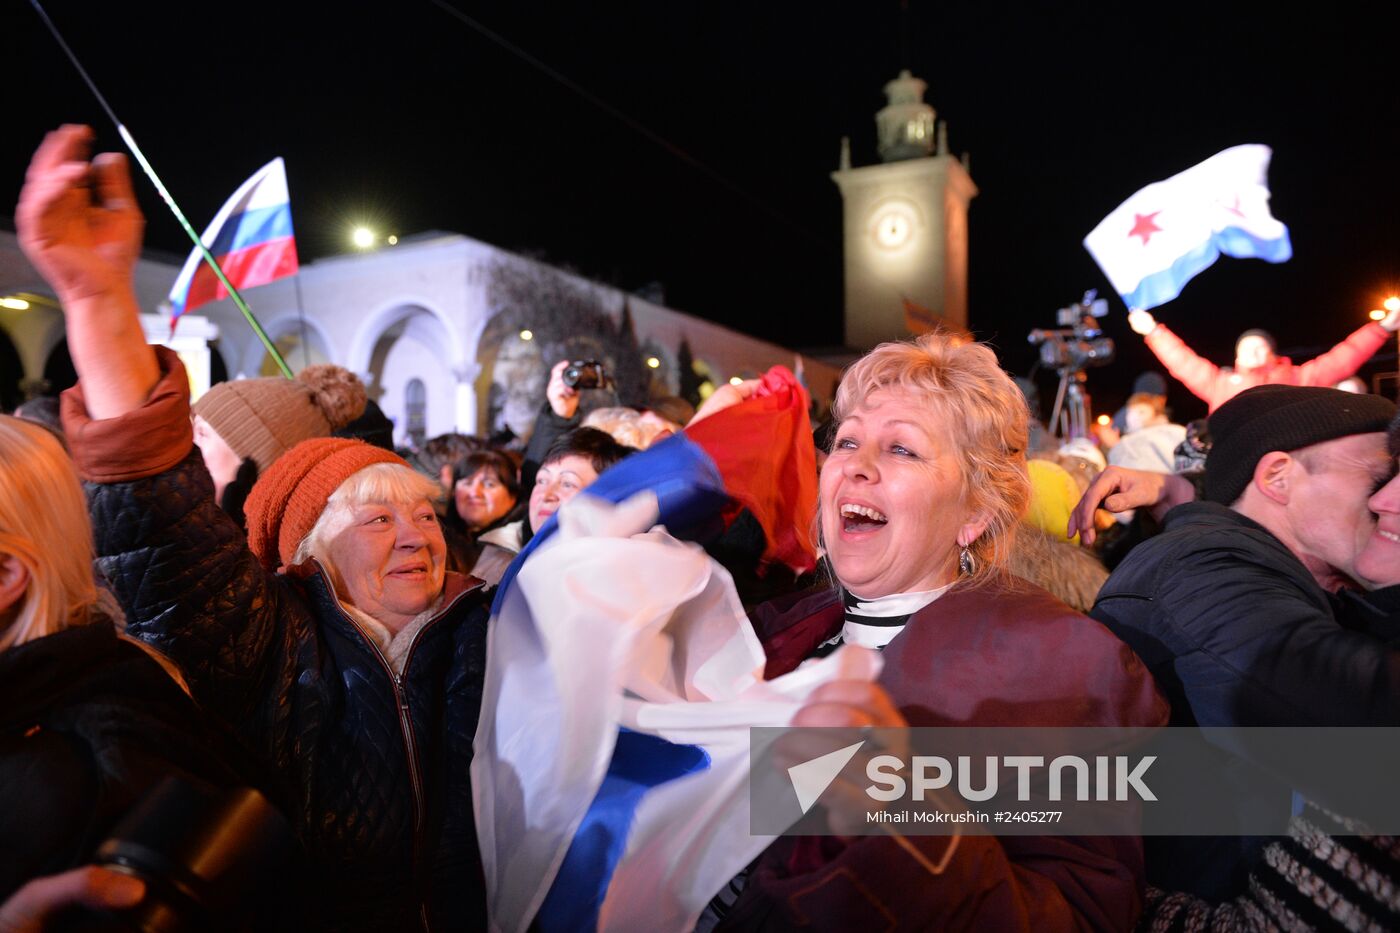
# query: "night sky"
402,116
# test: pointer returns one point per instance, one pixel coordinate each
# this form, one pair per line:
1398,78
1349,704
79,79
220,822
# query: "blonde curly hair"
44,524
964,385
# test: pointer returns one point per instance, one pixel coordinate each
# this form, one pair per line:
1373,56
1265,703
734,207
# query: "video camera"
1079,342
212,859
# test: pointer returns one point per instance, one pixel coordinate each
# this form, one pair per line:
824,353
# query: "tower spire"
905,124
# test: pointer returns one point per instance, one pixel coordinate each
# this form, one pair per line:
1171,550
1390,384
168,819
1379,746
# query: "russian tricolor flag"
610,776
1157,240
251,237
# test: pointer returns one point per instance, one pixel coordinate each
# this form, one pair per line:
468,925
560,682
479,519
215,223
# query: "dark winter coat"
89,723
377,763
1238,633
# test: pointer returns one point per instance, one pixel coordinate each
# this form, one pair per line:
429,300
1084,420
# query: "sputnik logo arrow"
811,778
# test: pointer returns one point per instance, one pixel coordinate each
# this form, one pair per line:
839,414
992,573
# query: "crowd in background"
257,590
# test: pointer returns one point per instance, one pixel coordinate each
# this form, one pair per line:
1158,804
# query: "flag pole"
301,316
165,196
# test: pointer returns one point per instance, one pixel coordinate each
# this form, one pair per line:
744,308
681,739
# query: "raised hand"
563,399
79,224
726,396
1119,489
77,220
1141,321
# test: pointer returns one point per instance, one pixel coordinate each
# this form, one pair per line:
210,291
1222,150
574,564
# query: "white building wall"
417,310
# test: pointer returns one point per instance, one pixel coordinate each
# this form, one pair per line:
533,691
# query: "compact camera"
585,374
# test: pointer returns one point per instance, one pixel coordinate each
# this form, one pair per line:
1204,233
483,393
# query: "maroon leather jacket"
1007,654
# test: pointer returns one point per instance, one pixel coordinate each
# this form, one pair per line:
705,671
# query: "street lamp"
362,237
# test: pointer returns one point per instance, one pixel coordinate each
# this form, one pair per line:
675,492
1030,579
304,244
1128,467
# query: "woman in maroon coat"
920,499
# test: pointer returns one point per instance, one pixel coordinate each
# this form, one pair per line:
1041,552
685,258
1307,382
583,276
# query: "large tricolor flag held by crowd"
1158,239
251,237
610,776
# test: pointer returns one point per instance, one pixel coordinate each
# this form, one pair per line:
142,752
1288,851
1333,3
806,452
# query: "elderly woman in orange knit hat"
331,637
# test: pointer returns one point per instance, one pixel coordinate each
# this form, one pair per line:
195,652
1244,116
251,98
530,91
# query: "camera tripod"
1070,417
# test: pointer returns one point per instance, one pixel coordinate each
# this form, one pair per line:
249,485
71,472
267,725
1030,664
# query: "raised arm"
180,567
1195,372
79,225
1347,357
557,416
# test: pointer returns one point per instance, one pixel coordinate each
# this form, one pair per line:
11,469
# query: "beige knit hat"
264,418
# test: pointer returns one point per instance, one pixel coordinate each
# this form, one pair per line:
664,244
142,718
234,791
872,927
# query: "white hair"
392,483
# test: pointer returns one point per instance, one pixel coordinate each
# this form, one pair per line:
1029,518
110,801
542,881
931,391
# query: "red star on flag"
1144,227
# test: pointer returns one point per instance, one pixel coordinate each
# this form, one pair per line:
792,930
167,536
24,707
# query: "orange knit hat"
287,500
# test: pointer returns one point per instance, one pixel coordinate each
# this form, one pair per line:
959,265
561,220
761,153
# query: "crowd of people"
258,591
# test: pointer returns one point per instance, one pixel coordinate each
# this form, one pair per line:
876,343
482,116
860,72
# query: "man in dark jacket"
1229,607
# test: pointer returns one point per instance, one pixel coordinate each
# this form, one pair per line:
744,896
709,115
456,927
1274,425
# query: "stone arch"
511,376
403,343
286,334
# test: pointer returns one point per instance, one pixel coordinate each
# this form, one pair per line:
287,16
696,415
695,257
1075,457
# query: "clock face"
892,224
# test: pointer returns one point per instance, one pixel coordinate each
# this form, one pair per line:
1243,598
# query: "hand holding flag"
1157,240
623,677
612,755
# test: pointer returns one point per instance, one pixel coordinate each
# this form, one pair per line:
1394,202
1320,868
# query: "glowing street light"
392,240
362,237
653,362
527,335
1104,420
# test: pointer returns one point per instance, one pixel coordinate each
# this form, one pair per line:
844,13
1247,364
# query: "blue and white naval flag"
610,777
1157,240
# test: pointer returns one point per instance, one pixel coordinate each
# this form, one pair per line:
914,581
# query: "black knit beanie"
1273,417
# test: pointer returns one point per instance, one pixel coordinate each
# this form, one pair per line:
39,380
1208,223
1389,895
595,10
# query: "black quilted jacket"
376,766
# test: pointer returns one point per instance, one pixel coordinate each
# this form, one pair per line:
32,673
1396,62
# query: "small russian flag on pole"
251,237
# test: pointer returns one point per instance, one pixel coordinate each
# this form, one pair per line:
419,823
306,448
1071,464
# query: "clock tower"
905,225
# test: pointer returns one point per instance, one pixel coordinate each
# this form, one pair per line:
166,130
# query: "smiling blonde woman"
920,501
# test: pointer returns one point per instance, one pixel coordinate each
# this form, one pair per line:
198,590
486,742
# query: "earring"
965,564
